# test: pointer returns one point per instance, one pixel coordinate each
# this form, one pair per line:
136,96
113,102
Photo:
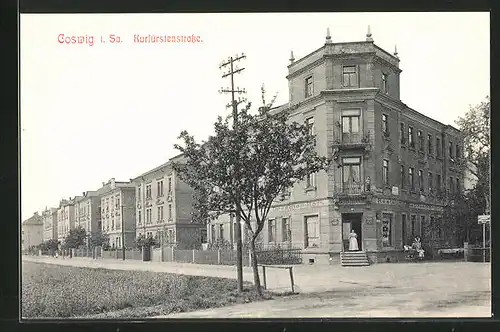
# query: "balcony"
352,141
351,188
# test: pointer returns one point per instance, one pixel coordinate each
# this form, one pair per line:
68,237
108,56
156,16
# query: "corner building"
393,170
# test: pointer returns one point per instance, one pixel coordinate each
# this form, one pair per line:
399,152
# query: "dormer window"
349,77
309,87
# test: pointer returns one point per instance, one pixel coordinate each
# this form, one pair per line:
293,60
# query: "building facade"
65,218
49,217
164,206
394,169
31,232
87,213
117,213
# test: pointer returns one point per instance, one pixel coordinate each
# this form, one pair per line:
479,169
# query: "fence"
271,256
478,255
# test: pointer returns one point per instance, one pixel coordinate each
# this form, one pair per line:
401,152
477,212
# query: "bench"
289,268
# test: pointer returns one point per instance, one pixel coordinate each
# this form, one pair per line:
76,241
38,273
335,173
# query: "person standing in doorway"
353,241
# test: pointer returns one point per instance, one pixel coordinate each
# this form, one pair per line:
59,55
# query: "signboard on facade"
395,191
299,206
483,219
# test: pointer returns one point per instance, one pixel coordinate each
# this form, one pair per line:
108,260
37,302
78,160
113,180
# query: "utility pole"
123,229
234,104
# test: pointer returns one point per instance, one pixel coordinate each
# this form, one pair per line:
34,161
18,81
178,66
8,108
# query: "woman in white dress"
353,241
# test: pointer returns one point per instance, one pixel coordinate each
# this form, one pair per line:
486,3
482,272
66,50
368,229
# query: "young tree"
99,239
75,238
272,154
475,126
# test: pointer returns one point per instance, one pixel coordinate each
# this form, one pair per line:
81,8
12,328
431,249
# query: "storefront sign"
425,207
299,206
386,201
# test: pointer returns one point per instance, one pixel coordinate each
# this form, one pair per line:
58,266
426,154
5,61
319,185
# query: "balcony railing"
352,140
351,188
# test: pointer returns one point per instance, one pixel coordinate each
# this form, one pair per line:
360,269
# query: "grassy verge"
52,291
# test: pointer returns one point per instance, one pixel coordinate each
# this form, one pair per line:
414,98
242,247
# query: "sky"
115,110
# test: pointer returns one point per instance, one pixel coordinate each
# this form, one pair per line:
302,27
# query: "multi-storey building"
49,217
65,218
87,213
117,209
164,206
394,169
32,231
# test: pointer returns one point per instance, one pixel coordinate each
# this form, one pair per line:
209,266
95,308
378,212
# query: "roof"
36,219
167,165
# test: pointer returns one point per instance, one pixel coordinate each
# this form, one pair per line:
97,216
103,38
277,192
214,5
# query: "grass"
52,291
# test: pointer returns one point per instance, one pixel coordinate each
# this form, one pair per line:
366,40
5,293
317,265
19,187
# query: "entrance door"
351,221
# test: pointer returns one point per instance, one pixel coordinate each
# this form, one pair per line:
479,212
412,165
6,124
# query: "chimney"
112,182
103,184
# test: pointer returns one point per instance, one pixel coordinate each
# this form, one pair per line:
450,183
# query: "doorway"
351,221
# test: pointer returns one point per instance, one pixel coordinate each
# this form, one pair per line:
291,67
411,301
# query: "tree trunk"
255,268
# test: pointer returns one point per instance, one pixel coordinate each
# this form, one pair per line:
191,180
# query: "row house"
31,231
87,213
394,169
65,218
49,217
117,212
164,207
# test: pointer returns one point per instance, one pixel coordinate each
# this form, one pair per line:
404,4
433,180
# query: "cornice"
345,94
384,62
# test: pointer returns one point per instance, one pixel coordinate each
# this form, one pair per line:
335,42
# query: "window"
457,151
350,124
159,188
351,168
438,147
170,212
285,230
160,213
402,132
457,182
221,231
422,224
386,229
413,226
385,125
212,233
139,217
421,180
271,230
310,124
148,191
117,203
429,144
402,176
450,150
420,140
311,226
349,77
438,182
309,87
148,216
432,226
451,186
171,237
311,180
169,185
403,229
385,172
385,83
410,177
431,179
410,137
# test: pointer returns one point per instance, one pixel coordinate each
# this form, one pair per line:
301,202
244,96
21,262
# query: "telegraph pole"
234,104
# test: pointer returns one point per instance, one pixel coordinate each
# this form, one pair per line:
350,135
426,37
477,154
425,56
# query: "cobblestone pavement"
439,289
